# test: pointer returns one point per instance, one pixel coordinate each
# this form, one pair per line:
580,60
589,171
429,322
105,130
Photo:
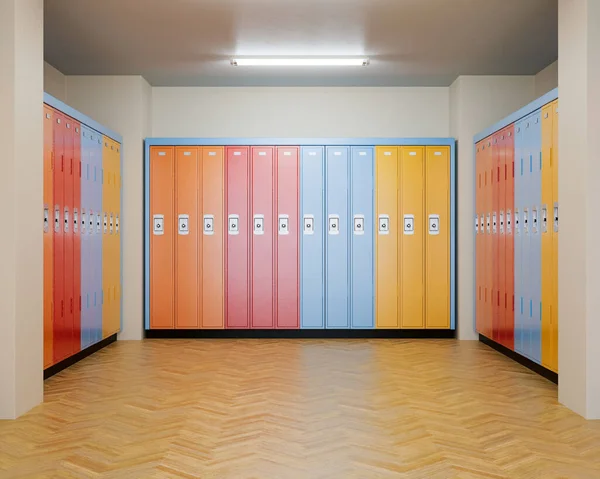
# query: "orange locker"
501,173
59,350
263,237
478,238
495,165
211,204
489,248
162,237
76,341
509,318
48,235
188,289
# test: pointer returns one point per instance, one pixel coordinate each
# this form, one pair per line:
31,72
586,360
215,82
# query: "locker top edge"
300,142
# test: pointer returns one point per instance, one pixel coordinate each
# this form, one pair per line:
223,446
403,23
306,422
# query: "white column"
579,197
21,181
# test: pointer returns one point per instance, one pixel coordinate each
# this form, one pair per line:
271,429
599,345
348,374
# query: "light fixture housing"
301,62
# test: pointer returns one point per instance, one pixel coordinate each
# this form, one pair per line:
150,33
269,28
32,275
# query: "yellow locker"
411,298
386,237
117,235
553,363
106,243
546,233
437,237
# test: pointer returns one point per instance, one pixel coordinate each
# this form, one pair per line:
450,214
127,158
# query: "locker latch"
66,220
98,227
259,224
234,223
502,222
105,223
409,224
494,223
309,224
482,224
75,222
476,224
556,216
384,224
110,223
46,219
534,220
488,224
159,226
359,225
508,222
183,222
83,221
434,224
284,224
209,224
526,221
116,223
544,219
91,225
334,224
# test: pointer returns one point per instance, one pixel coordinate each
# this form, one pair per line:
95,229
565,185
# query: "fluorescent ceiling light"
300,62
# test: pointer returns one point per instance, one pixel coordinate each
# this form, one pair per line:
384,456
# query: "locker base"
300,333
528,363
65,363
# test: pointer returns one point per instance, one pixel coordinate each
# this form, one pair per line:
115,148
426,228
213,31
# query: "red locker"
60,351
263,238
76,339
495,209
510,243
287,224
489,250
501,235
478,238
237,264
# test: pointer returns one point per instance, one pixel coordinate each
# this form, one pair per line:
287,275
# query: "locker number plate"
159,226
209,225
409,224
384,224
183,222
434,224
284,224
334,224
359,224
234,224
259,224
309,225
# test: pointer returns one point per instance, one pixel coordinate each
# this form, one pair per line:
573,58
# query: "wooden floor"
286,409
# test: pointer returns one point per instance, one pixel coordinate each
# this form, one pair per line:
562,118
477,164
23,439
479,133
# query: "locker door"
437,239
263,237
59,349
361,244
478,154
162,224
536,246
98,236
519,234
312,238
84,238
112,230
501,176
337,242
108,253
509,319
287,311
495,243
187,290
386,237
48,235
213,230
547,277
527,275
412,275
489,311
76,341
117,235
237,263
555,223
68,213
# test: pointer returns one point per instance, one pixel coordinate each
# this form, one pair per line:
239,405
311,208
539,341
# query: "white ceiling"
409,42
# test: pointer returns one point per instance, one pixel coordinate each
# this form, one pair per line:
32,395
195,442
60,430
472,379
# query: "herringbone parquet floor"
285,409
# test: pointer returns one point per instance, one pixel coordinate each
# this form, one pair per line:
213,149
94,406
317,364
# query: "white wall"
55,83
547,79
300,112
123,104
477,102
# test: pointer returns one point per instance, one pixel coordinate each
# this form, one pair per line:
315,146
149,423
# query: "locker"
48,229
263,237
237,263
489,238
501,180
337,237
521,334
312,239
386,237
287,299
59,350
535,236
188,291
546,234
213,260
509,171
76,341
361,244
478,322
411,235
553,361
117,236
162,224
495,187
85,270
98,235
69,258
437,238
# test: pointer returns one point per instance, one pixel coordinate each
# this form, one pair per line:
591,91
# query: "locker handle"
71,307
62,163
505,172
62,308
498,175
505,300
71,167
79,302
513,169
513,302
498,295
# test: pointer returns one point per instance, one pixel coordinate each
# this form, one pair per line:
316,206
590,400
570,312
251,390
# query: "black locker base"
65,363
528,363
300,333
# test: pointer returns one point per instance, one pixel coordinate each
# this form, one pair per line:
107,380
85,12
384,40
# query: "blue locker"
526,273
518,236
86,311
312,238
535,269
361,244
98,178
337,227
